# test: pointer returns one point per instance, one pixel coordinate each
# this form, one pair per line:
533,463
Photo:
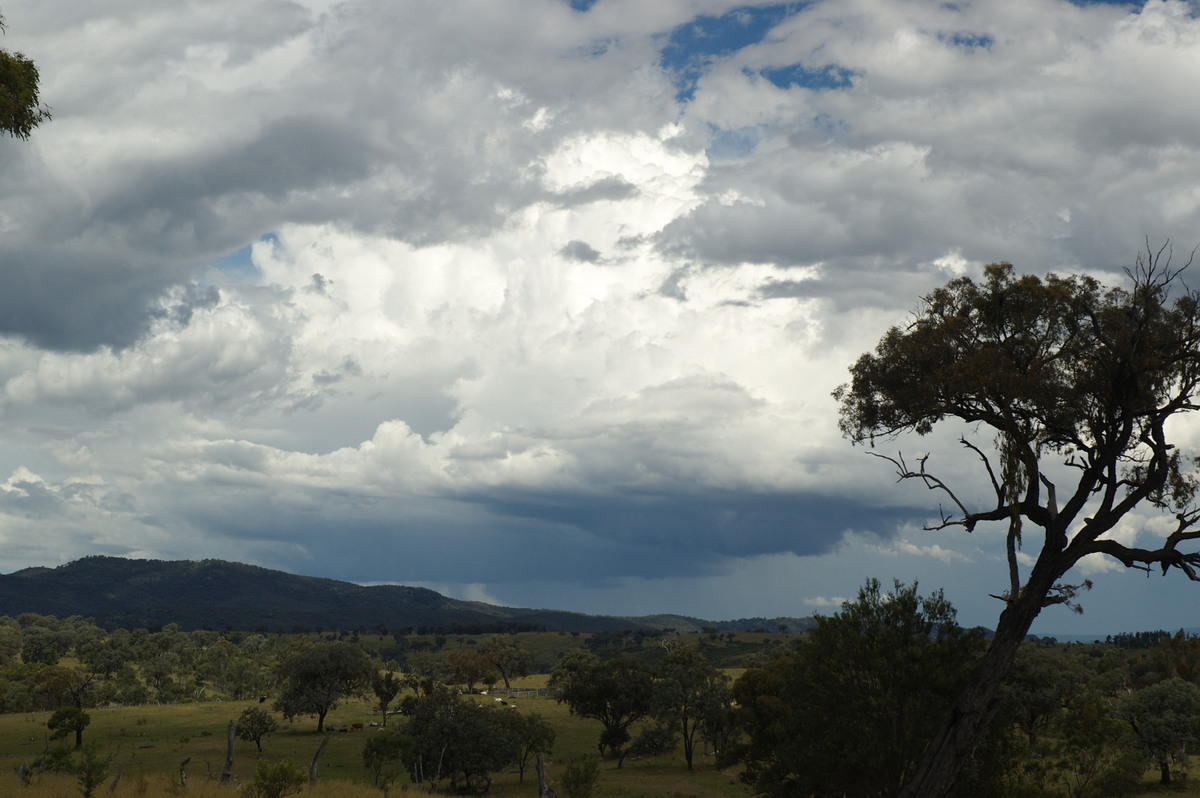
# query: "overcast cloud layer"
541,302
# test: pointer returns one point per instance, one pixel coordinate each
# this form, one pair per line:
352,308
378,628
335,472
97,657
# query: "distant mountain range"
214,594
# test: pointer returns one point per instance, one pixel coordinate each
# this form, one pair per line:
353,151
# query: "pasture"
150,742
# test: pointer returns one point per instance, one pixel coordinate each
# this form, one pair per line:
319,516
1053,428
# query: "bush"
91,770
276,780
580,777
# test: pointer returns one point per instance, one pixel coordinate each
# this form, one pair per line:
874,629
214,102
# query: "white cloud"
821,602
505,291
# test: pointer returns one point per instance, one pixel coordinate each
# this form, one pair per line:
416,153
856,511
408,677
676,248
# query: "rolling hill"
215,594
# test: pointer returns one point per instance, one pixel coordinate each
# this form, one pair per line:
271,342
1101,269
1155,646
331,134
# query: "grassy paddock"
151,741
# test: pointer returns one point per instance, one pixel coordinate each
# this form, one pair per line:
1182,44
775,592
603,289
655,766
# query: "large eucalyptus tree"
1075,384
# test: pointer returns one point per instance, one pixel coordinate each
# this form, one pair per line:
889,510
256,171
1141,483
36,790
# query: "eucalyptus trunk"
967,722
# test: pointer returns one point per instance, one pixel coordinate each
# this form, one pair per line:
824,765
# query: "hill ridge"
221,594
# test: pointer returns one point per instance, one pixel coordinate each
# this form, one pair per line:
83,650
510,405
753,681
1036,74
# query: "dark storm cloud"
493,537
59,297
295,154
702,526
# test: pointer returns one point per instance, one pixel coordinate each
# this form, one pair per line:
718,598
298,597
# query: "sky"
542,303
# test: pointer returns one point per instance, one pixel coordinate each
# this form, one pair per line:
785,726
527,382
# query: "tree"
386,686
458,739
319,675
851,708
20,110
1041,682
686,690
536,736
507,658
254,724
1176,656
618,693
1163,720
384,755
66,720
469,667
1077,385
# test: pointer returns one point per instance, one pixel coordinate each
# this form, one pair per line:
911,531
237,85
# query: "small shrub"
91,770
276,780
580,777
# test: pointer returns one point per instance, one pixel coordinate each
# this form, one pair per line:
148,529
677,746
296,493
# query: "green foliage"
1040,683
68,720
319,675
1085,754
851,709
385,755
254,724
386,686
535,736
276,780
20,110
1056,366
507,658
618,693
459,740
691,697
90,770
469,667
579,777
1061,371
54,760
1164,722
1176,656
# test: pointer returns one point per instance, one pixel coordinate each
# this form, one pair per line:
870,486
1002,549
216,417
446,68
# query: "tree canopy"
617,692
20,108
1076,383
319,675
851,708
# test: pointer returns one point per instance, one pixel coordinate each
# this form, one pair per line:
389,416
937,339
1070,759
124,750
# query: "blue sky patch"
693,46
581,5
730,145
967,40
238,266
827,77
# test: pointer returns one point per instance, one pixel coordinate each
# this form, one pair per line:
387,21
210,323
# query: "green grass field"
150,742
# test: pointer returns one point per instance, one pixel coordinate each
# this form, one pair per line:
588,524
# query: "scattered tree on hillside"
469,667
386,686
385,755
1163,720
618,693
254,724
68,720
20,110
458,739
508,658
687,691
536,736
318,676
1077,384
